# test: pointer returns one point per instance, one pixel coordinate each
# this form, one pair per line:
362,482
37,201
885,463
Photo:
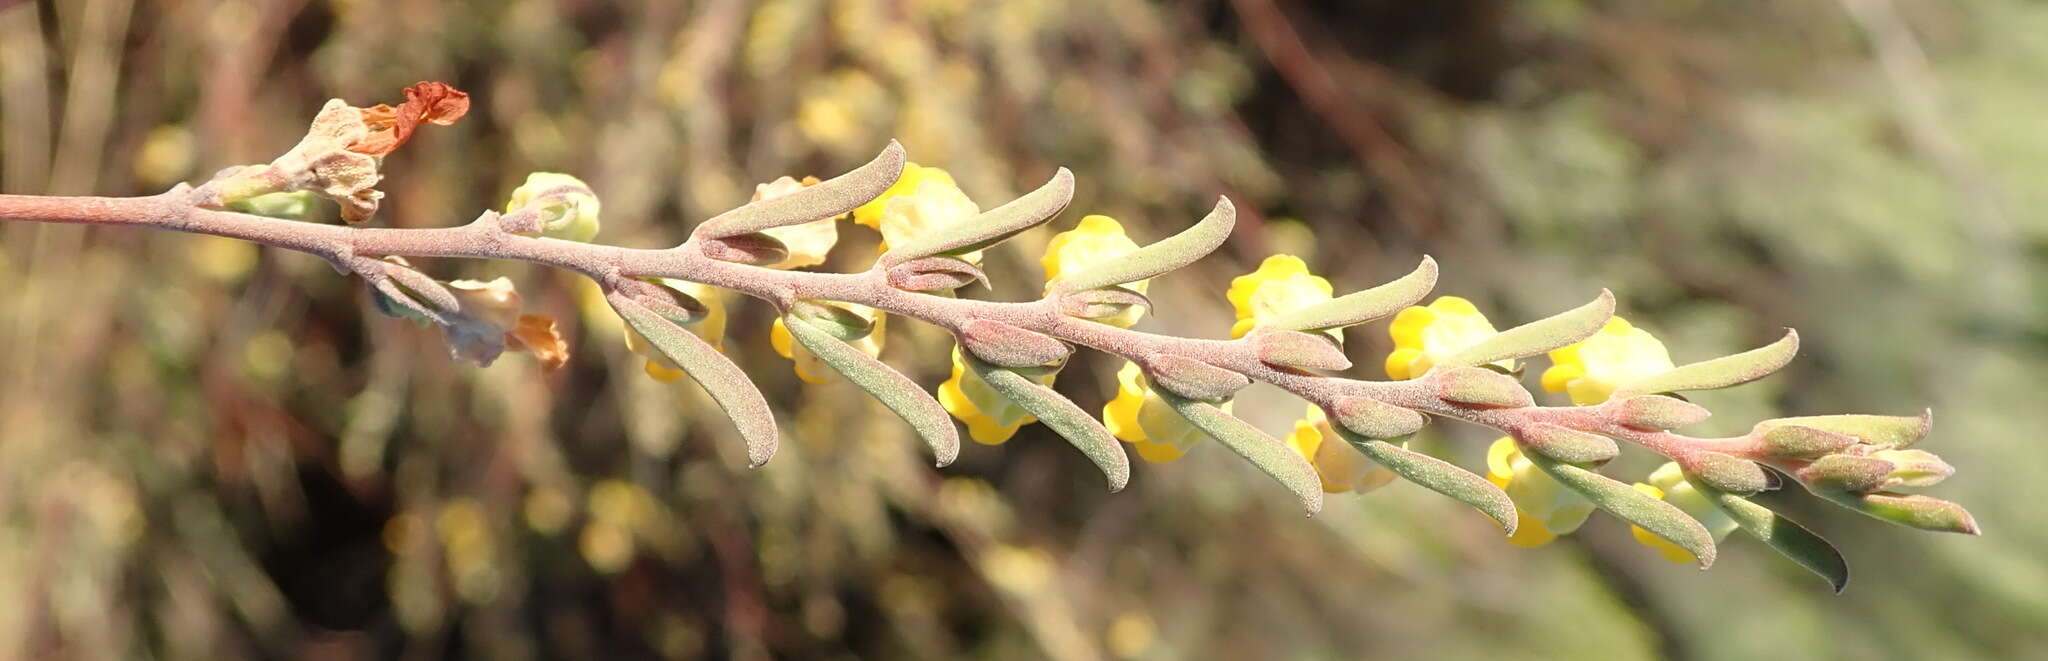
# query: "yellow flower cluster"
1591,370
808,366
1281,284
1341,467
922,199
1424,335
990,417
1096,240
1138,416
1669,484
1545,508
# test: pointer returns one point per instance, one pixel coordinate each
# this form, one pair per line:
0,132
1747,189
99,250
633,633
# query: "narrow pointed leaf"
1911,510
1541,335
718,375
1171,253
1886,431
824,200
1440,476
1360,307
1264,451
1623,501
1063,416
1785,535
1719,372
891,387
992,226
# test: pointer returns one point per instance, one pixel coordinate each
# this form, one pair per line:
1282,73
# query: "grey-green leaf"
1892,432
728,385
824,200
1264,451
1660,518
1171,253
1360,307
1439,476
1541,335
992,226
1063,416
891,387
1785,535
1719,372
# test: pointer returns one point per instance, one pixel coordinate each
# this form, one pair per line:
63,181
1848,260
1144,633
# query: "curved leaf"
1892,432
992,226
1168,254
1360,307
1264,451
1660,518
1541,335
1440,476
895,390
1785,535
718,375
824,200
1061,414
1719,372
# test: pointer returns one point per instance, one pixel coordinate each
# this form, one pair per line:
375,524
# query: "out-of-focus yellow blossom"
808,366
914,176
1282,284
711,328
1591,369
934,204
990,417
1545,508
808,243
1138,416
1668,483
1097,240
1424,335
1341,467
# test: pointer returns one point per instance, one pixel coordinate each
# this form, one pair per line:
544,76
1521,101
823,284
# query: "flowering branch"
1451,363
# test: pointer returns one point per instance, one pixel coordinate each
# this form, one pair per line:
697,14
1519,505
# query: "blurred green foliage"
213,451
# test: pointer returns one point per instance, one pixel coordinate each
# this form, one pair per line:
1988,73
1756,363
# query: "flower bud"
1850,473
1914,468
1009,346
1800,441
568,208
1482,387
754,248
834,320
1570,446
1726,472
1303,350
1658,412
1375,419
1192,378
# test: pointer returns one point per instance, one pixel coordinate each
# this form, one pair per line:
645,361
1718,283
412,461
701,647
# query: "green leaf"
1910,510
1063,416
1886,431
1785,535
1568,445
1360,307
718,375
1842,472
1439,476
1800,441
1264,451
895,390
992,226
1171,253
1719,372
1541,335
826,199
1623,501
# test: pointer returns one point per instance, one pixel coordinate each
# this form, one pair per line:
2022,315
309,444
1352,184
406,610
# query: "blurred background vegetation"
213,451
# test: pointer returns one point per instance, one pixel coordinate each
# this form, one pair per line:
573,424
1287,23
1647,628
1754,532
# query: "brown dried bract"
426,101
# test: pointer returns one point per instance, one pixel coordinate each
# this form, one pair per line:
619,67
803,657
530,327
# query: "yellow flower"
922,198
1341,467
1281,284
1668,483
1545,507
808,243
1591,369
1097,240
1138,416
808,366
711,328
991,418
1425,335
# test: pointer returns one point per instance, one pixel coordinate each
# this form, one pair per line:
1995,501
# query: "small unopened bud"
1917,511
568,208
1192,378
1842,472
839,322
1570,446
1005,345
1303,350
1375,419
1914,468
935,274
1658,412
1482,387
753,248
1728,473
1800,441
1102,303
